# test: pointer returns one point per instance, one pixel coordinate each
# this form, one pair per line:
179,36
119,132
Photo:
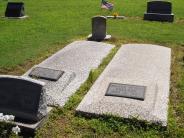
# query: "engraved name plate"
126,90
46,73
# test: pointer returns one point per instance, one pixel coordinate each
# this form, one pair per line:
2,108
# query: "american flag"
106,5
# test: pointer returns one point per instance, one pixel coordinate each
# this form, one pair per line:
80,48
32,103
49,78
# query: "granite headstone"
99,29
15,9
22,97
159,11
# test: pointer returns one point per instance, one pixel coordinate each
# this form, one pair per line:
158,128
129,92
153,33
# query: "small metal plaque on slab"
126,90
46,73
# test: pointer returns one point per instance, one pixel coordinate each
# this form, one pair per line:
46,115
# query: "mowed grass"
54,23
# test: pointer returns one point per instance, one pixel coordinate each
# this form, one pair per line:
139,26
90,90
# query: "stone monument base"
117,17
159,17
91,38
31,127
22,17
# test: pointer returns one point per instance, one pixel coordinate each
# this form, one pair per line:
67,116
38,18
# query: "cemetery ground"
53,24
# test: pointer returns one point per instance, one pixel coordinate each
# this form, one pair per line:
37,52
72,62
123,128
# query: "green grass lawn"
57,22
54,23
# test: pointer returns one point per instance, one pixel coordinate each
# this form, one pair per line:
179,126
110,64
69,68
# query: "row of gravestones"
156,11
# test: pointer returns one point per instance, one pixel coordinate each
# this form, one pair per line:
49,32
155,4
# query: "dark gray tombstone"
15,9
126,90
22,97
159,11
99,29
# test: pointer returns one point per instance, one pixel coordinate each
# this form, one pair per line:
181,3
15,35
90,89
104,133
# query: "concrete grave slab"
134,64
76,60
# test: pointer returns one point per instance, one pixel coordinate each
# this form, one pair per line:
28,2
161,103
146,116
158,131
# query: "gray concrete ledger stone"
76,60
134,64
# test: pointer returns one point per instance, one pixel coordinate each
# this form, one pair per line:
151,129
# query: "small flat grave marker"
126,90
46,73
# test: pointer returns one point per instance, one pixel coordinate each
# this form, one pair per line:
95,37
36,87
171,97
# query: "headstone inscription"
46,73
99,29
159,11
126,90
22,97
15,9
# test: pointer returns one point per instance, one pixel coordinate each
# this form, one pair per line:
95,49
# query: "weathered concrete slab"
134,64
159,11
76,60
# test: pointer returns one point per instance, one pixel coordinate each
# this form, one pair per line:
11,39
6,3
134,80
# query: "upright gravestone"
22,97
15,10
99,29
159,11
